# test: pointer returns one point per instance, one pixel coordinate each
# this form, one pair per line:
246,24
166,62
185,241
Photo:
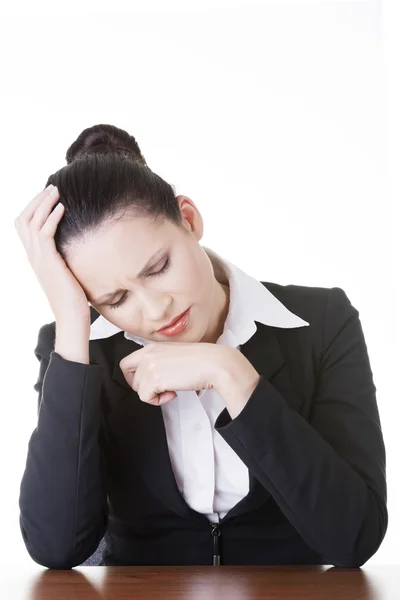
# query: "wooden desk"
202,583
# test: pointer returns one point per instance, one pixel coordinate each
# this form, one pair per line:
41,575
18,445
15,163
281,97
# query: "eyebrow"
142,272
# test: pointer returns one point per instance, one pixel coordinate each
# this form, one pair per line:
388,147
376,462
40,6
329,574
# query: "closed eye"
164,268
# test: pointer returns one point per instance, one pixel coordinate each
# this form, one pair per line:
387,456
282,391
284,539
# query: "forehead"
116,251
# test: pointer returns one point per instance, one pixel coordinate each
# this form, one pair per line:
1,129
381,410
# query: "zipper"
216,532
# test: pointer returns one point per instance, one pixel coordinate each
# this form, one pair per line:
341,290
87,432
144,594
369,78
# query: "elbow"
355,561
368,539
372,531
351,562
53,557
53,554
54,562
59,559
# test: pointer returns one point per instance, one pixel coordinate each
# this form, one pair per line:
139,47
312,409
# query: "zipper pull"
216,532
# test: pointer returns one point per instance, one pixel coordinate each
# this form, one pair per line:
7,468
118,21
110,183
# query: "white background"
279,119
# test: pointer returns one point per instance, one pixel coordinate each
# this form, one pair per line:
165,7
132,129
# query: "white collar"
249,301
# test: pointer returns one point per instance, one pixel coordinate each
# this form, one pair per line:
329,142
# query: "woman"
249,433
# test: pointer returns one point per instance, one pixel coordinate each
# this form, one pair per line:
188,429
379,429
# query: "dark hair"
106,173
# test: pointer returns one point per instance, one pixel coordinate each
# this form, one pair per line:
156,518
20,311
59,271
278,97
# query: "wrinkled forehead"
114,253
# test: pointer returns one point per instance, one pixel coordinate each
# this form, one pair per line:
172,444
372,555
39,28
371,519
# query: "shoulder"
313,299
327,309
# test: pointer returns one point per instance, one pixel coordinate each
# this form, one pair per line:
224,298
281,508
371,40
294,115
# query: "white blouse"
209,474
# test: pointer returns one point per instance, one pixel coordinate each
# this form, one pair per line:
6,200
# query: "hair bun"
103,139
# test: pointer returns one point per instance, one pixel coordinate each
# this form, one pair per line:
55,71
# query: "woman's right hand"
36,226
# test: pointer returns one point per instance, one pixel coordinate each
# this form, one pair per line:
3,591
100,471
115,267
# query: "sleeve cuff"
224,419
251,424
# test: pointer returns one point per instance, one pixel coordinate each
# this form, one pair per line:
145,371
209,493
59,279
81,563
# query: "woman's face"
179,276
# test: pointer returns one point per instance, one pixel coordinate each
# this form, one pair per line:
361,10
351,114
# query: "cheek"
190,280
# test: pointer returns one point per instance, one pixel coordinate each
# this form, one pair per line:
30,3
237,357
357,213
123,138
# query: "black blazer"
98,461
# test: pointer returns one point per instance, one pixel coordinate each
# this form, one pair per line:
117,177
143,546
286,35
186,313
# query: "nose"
156,311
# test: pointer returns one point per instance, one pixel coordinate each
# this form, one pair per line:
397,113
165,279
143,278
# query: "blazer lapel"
140,431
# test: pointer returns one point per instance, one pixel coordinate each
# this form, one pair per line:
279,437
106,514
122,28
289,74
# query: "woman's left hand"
157,369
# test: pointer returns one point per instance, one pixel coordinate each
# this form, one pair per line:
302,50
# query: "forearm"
328,502
63,489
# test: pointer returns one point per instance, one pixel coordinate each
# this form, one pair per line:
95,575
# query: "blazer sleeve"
63,492
327,474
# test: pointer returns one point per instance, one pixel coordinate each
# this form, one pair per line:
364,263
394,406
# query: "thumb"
166,397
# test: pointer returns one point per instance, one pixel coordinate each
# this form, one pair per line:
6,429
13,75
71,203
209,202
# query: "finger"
43,210
129,375
50,227
24,225
161,398
31,207
166,397
131,361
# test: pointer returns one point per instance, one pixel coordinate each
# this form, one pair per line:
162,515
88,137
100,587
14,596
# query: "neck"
221,302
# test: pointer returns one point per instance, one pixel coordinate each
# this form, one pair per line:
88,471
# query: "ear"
193,220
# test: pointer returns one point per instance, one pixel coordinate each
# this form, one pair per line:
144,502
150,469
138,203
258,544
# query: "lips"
172,322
